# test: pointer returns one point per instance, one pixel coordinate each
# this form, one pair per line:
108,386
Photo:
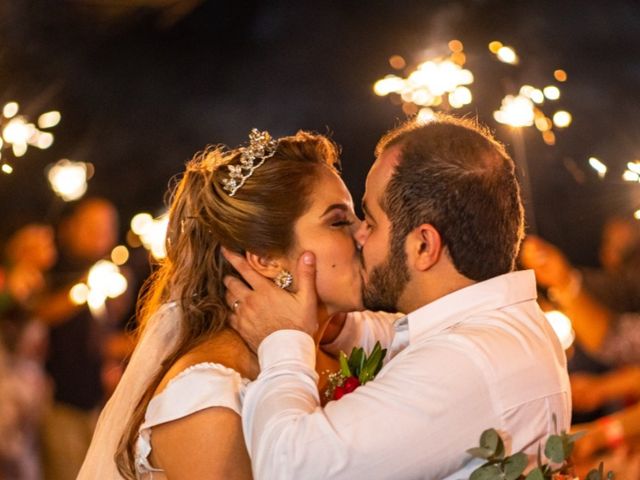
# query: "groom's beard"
387,281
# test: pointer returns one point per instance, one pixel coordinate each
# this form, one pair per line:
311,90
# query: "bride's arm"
204,445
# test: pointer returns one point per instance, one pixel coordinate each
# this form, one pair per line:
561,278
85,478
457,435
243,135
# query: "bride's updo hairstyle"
207,213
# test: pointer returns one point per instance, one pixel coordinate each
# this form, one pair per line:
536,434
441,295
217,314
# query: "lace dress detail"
196,388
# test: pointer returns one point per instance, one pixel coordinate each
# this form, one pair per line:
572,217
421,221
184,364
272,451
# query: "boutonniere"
355,370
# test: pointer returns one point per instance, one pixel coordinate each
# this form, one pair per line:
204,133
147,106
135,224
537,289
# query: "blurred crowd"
604,363
60,359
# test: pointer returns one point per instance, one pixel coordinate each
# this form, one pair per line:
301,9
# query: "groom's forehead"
382,170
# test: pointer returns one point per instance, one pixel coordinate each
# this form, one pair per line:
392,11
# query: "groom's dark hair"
455,176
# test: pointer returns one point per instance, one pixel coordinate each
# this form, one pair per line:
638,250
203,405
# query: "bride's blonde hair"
259,218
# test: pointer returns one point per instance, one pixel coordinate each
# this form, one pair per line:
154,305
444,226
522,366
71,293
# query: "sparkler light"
152,232
103,281
442,83
69,179
18,133
632,173
516,111
507,55
551,92
562,327
598,166
562,119
435,82
636,215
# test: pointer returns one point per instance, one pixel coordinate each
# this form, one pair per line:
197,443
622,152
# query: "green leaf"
593,475
574,437
554,449
491,440
370,365
480,452
383,354
486,472
535,474
515,465
344,365
355,361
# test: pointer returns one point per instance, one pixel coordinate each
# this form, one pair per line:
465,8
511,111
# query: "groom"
443,224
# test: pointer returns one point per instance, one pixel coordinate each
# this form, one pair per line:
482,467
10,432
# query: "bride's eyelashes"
342,223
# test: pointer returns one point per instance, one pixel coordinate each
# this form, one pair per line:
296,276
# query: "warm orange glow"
458,58
495,46
397,62
410,108
120,255
549,137
455,46
560,75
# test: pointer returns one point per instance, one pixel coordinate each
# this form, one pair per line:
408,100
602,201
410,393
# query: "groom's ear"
424,247
265,265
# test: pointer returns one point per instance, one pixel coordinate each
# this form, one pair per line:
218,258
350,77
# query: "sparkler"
438,82
69,179
598,166
18,133
152,232
103,281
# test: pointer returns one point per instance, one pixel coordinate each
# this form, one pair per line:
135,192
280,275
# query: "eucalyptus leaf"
535,474
593,475
480,452
574,437
491,440
515,465
486,472
554,449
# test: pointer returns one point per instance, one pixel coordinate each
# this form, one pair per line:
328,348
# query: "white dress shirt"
481,357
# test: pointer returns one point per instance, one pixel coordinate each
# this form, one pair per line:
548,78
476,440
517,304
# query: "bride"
176,411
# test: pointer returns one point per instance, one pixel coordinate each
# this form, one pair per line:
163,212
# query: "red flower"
339,392
350,384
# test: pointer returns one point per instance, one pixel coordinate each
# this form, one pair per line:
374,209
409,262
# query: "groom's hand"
264,308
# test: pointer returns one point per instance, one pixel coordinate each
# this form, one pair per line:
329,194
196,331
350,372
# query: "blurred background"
144,84
103,102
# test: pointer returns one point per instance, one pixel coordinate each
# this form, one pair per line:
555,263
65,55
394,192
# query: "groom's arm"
413,419
362,329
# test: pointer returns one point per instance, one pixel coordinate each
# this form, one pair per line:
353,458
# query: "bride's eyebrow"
336,206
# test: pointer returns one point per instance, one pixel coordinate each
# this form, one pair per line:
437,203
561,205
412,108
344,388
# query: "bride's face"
327,230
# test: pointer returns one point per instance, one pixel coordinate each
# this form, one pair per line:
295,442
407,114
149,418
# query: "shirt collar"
495,293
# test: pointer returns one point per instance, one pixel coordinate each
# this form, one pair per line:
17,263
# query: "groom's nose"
359,233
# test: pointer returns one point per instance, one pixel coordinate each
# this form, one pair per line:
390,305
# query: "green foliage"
558,449
359,365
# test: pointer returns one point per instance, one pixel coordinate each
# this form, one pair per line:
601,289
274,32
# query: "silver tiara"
261,146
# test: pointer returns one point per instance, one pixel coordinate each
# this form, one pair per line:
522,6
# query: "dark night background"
144,84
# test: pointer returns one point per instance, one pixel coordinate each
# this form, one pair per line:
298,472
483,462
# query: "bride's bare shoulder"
225,348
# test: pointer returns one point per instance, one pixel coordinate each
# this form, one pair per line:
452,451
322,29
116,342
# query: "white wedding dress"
196,388
200,386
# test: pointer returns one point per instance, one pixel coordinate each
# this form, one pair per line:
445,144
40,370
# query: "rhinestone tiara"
261,147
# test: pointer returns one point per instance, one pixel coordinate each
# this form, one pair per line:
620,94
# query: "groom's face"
384,260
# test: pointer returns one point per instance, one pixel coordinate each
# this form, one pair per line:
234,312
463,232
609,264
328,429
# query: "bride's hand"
264,308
